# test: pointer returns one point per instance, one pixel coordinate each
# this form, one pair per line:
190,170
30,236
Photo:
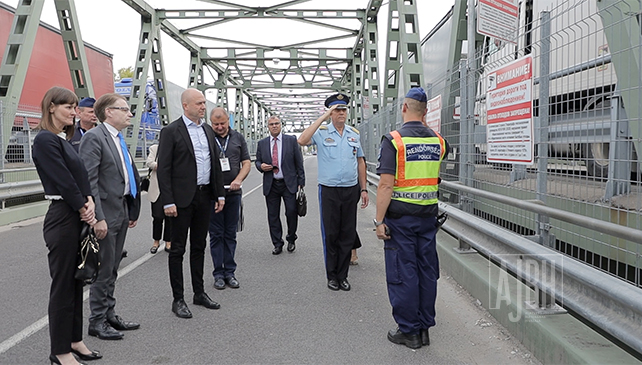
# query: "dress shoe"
232,282
121,325
425,338
104,331
94,355
204,300
291,246
219,283
54,360
333,284
344,285
400,338
153,250
124,254
180,308
277,250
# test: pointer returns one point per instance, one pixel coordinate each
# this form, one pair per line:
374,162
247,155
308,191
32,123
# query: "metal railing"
601,299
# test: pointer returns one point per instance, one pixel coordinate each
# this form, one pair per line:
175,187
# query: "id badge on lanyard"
225,162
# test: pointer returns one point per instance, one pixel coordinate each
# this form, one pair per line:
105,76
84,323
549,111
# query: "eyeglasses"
123,108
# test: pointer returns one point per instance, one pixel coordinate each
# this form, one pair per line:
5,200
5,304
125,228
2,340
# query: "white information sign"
433,116
509,101
498,18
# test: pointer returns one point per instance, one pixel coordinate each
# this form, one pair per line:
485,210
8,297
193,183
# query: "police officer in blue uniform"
406,218
342,183
86,120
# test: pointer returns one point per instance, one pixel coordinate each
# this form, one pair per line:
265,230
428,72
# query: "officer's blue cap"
341,100
87,103
418,94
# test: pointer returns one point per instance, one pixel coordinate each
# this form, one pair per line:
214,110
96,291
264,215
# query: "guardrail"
599,298
20,189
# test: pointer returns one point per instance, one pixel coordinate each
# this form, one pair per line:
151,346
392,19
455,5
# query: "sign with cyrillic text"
509,112
498,18
433,115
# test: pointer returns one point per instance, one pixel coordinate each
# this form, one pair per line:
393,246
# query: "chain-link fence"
584,134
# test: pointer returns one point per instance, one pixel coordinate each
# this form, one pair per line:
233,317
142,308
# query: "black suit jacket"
291,163
177,165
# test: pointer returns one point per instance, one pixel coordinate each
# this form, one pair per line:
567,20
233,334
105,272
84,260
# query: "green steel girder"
74,48
15,63
623,33
403,48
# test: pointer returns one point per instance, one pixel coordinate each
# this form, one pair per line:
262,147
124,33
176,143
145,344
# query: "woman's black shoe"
95,355
54,359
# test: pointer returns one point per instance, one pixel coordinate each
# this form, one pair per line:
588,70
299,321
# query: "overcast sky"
114,27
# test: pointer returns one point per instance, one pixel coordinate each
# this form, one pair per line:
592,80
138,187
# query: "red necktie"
275,157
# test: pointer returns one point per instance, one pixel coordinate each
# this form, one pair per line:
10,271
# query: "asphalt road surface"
282,313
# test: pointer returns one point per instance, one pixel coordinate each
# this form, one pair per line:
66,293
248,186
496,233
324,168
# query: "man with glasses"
279,159
342,182
114,183
235,165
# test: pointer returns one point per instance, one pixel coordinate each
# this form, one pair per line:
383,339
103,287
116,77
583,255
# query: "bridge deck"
283,312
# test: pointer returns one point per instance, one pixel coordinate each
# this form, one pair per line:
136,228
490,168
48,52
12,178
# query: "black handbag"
301,203
144,182
88,256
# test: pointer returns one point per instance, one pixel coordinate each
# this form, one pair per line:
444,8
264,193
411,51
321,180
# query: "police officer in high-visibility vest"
406,219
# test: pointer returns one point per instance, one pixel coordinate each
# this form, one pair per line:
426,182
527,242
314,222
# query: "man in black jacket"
189,178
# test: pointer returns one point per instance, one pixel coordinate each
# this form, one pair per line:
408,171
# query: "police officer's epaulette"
323,127
355,130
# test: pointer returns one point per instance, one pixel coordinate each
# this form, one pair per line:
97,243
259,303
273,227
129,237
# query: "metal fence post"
541,123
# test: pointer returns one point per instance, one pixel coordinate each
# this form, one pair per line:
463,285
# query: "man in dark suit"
189,178
86,120
114,183
280,160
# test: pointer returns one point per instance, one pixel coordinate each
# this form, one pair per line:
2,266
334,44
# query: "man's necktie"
275,157
128,165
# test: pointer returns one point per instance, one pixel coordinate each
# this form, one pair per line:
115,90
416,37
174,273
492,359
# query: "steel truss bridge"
336,51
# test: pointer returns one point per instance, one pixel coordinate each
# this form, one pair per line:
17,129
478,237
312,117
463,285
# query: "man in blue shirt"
342,182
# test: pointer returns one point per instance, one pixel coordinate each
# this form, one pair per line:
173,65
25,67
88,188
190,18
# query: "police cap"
341,100
87,103
418,94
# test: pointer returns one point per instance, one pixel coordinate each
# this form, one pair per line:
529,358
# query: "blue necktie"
128,165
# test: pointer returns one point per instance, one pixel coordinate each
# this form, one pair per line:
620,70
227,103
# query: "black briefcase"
301,203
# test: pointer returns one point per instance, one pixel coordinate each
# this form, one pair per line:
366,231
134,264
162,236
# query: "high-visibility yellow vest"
417,175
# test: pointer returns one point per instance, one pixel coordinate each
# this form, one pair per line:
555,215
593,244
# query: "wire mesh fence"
578,152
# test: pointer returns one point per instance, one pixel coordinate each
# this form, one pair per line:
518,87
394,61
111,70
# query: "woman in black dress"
66,184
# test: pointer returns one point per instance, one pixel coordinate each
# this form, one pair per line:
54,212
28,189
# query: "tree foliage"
125,72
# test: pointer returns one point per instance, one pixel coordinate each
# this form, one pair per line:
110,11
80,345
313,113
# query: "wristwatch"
377,224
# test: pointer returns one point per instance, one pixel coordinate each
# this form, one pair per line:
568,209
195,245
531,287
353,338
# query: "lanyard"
223,149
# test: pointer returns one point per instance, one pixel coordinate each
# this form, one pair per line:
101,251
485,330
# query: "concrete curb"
553,339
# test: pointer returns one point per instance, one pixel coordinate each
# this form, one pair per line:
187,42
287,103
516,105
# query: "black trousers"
158,218
277,192
338,227
61,231
195,218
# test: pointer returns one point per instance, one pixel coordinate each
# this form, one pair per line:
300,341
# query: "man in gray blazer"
279,159
114,184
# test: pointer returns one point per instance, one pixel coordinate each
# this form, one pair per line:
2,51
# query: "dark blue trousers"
412,270
223,227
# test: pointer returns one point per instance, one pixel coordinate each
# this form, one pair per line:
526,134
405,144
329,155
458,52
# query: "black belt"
202,187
